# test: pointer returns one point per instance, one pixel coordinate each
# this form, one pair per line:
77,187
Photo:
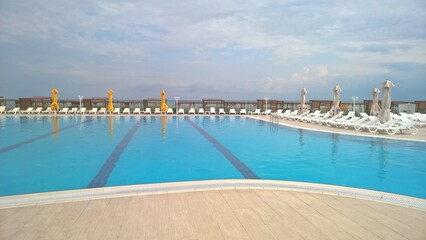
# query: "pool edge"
190,186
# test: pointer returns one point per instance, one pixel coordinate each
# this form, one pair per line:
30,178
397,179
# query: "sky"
233,50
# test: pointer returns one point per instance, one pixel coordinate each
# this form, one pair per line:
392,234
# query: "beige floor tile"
223,214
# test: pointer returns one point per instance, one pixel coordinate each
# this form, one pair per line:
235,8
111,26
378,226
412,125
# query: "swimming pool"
41,154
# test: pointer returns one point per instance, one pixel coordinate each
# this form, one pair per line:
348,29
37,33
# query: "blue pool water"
40,154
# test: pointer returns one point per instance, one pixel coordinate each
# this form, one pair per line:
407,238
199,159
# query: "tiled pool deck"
232,209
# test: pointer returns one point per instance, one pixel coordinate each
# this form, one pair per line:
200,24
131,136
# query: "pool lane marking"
11,147
102,177
240,166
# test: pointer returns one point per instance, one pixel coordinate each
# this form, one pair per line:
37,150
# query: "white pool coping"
231,184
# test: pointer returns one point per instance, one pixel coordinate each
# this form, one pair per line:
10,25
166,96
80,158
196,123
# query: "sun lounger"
277,113
376,126
290,114
191,111
116,111
147,111
243,111
102,111
170,111
325,121
126,111
232,111
283,114
319,118
256,112
137,111
267,112
339,120
73,111
28,111
298,116
157,111
37,110
47,111
222,111
201,111
395,127
212,111
82,111
93,111
181,111
364,125
310,116
2,109
14,110
364,118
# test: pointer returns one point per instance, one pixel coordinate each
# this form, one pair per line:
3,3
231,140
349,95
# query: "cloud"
256,45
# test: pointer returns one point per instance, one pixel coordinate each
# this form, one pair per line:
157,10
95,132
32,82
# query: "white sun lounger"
396,127
290,114
222,111
28,111
126,111
147,111
93,110
2,109
232,111
243,111
37,110
82,111
201,111
325,121
191,111
137,111
256,112
64,111
14,110
181,111
102,111
170,111
212,111
157,111
73,111
342,119
364,125
267,112
277,113
116,111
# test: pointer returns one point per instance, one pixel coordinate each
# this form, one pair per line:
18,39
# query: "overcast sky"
234,50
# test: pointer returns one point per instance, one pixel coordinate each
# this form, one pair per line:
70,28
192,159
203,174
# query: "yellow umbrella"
110,106
54,106
164,106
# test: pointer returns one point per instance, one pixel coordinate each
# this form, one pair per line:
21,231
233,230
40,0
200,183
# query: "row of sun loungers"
403,123
212,110
399,123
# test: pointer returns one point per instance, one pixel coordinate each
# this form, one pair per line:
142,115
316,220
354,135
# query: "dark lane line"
102,177
240,166
11,147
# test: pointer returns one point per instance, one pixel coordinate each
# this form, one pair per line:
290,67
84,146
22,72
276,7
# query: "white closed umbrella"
303,100
384,114
375,107
335,109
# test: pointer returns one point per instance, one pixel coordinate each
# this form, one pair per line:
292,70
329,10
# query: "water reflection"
334,147
55,124
164,120
381,148
111,125
301,137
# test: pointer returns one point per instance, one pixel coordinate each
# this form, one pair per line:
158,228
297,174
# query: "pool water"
41,154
